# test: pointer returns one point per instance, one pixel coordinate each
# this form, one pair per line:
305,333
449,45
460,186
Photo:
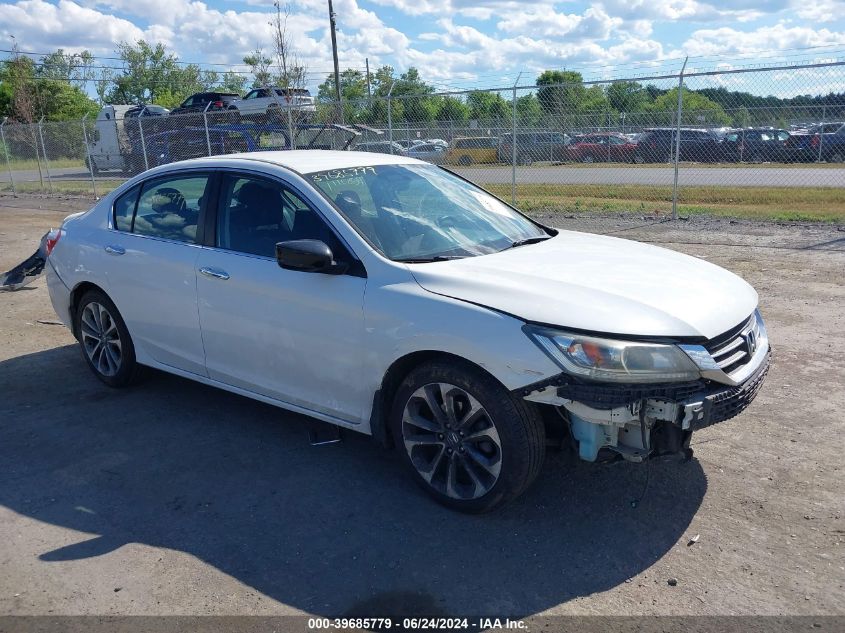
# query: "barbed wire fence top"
696,141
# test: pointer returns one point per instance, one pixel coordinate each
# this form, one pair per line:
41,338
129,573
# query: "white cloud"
594,23
673,10
42,26
820,10
730,41
478,9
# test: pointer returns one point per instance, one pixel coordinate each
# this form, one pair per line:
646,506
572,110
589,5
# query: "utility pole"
369,91
334,54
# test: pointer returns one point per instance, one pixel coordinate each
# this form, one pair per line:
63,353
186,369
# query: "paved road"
663,175
577,175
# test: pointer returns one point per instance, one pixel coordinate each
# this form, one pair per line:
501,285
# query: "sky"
459,44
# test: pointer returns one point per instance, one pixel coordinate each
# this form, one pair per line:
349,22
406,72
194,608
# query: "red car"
601,147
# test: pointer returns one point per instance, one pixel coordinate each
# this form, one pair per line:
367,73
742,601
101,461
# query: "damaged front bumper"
638,421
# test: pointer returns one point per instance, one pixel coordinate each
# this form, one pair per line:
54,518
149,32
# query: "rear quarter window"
124,209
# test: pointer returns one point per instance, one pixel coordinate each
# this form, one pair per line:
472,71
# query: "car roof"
306,161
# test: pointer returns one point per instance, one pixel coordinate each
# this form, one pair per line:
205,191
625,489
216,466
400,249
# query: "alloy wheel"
452,441
101,339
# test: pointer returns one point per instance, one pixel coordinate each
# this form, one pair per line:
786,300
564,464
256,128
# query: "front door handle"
214,272
115,250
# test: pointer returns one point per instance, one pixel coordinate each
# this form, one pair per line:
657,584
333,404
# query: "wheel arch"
76,295
393,377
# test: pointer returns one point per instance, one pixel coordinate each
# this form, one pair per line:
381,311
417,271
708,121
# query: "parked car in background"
265,100
600,147
428,152
755,145
657,145
824,142
533,147
437,141
145,111
381,147
200,101
473,149
408,143
390,297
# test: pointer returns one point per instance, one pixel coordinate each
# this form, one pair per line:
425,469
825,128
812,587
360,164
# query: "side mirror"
308,256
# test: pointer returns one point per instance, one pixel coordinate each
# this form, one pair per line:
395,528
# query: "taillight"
52,239
653,144
814,141
218,104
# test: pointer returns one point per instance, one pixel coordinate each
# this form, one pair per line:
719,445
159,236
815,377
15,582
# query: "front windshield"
421,212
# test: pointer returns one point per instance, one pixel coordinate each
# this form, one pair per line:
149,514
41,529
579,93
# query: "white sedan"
385,295
267,100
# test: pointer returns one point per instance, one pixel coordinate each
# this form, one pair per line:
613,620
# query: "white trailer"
111,146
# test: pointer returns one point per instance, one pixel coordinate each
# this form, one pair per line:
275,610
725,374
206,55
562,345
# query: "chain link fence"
765,140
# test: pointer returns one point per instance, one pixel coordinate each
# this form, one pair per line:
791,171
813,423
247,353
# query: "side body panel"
289,335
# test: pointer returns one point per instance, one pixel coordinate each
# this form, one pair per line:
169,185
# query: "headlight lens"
610,360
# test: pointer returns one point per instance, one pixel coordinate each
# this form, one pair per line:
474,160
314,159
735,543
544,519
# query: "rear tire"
105,341
470,444
589,158
465,160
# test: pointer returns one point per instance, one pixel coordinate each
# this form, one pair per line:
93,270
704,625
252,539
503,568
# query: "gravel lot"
176,498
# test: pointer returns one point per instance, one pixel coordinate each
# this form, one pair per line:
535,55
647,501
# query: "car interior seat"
257,221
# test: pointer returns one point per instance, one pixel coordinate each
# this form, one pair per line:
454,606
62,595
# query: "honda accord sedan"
388,296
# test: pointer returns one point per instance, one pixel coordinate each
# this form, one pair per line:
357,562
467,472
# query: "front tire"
105,341
469,443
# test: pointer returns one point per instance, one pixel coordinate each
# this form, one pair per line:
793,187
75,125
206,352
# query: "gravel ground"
175,498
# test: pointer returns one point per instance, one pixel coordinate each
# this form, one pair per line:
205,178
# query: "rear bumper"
59,295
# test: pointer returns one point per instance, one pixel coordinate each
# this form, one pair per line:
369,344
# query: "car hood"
600,284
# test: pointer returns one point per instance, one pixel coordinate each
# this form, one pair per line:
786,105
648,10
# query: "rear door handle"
214,272
115,250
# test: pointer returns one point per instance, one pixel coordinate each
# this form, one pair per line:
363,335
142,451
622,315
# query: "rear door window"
169,208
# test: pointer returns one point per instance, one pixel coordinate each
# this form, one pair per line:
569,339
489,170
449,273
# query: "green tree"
382,79
353,90
595,100
627,96
486,106
450,108
147,72
697,109
232,82
259,65
560,92
742,118
415,96
29,92
528,109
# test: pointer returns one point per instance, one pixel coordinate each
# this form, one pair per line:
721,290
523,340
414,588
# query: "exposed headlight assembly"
609,360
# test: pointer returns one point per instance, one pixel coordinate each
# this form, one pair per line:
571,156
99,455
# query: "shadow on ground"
331,530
